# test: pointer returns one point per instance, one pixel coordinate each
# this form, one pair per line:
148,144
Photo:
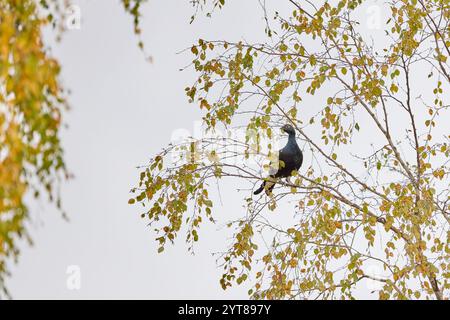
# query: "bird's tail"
260,189
267,185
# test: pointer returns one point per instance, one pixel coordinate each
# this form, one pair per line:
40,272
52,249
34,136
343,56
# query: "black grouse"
290,159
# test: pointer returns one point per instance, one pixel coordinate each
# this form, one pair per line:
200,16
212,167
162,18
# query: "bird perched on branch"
290,159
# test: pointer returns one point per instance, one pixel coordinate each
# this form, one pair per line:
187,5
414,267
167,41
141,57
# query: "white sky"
124,110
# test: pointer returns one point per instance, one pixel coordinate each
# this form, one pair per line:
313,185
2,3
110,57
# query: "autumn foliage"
372,117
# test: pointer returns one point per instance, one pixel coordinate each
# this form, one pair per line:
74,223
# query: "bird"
290,158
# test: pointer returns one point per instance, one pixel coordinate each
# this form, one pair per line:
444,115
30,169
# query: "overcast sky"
124,110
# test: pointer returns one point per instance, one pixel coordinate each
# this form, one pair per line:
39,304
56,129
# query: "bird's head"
288,129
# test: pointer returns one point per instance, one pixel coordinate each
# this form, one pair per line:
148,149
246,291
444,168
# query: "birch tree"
372,118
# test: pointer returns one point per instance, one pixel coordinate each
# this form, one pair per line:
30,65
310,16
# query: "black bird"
290,159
